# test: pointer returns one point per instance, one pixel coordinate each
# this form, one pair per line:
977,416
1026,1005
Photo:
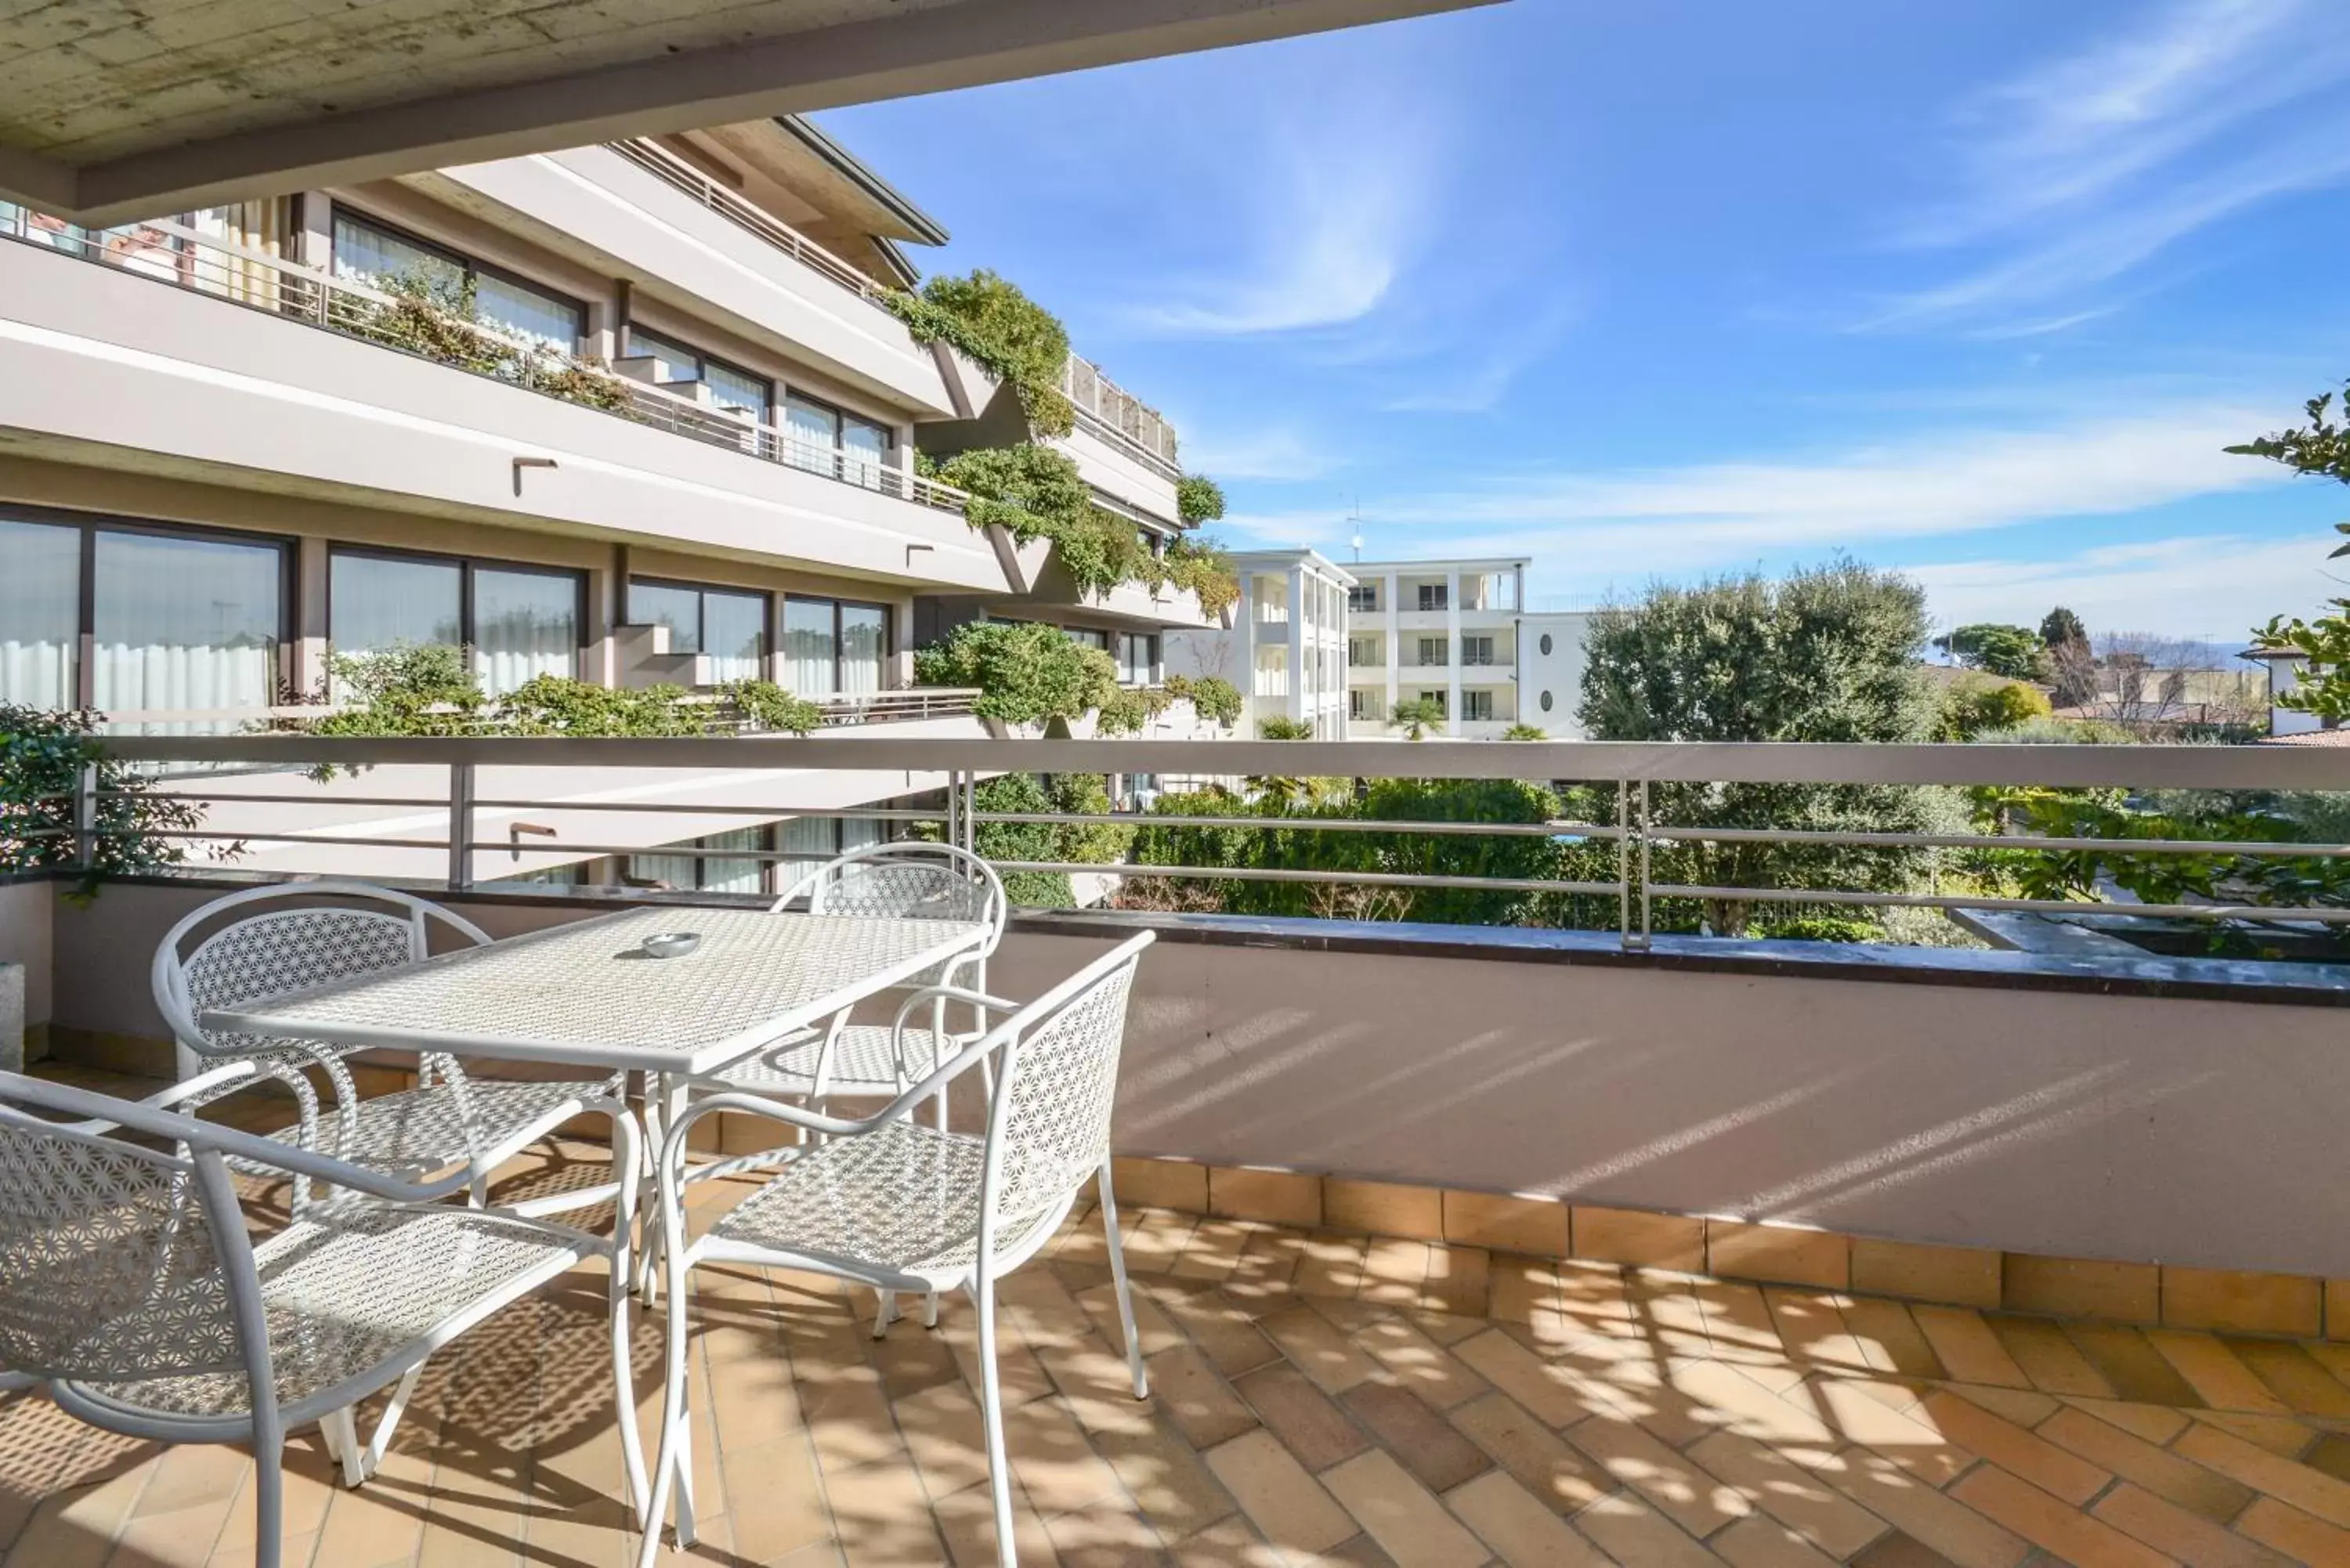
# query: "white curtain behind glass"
184,623
734,876
866,453
814,432
680,609
524,624
735,636
662,870
809,647
379,602
40,611
864,643
807,842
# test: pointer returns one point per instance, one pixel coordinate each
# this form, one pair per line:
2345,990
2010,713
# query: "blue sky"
1654,291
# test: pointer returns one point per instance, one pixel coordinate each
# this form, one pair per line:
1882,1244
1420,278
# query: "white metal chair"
130,1287
449,1119
890,1202
906,880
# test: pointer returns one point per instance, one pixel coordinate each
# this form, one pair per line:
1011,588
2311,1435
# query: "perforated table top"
587,995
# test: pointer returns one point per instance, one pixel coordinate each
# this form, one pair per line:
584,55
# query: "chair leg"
999,1473
380,1444
1125,1292
885,1312
674,1468
269,1499
343,1441
624,1379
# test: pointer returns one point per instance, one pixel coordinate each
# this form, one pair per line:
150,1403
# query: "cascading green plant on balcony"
1005,332
439,319
1210,696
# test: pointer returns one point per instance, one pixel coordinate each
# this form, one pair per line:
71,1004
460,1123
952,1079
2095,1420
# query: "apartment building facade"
1440,632
1286,649
230,450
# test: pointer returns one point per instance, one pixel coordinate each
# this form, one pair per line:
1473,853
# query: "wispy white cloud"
2082,168
2217,587
1275,453
1632,525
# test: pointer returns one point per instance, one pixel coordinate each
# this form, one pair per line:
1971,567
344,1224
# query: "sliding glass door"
519,621
40,614
834,647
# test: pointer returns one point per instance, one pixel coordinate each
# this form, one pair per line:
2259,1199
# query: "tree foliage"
2320,448
1199,499
1823,655
42,755
1036,492
1280,727
1418,717
1291,841
2011,652
1977,703
989,320
2060,627
1079,843
1026,673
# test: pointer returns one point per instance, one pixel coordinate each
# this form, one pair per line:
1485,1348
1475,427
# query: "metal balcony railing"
672,170
168,252
1627,774
1119,417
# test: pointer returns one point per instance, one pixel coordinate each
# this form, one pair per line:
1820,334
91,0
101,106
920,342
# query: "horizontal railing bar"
2286,912
1310,824
1998,841
1268,874
340,840
167,791
860,814
2179,767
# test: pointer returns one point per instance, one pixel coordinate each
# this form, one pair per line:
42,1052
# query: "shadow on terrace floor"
1318,1399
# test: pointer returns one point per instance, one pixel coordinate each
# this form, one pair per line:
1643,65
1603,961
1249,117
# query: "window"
1546,701
728,627
1475,706
824,440
1432,650
1363,597
707,873
833,648
1086,637
1439,699
519,621
1137,657
1434,596
1545,642
1364,652
371,253
1363,703
732,389
807,842
171,618
1476,651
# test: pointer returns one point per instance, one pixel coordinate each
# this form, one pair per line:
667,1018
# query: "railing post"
460,827
1647,899
1624,860
86,816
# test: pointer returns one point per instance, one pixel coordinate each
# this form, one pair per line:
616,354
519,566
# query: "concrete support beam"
431,124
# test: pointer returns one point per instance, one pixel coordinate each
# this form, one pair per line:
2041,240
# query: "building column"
1300,646
1388,587
310,669
1452,650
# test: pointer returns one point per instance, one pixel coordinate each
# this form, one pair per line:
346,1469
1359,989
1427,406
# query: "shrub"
1525,732
1282,728
1025,673
1212,697
42,755
1199,499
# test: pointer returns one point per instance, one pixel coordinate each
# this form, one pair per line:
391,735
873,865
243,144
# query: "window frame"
468,566
473,267
88,525
889,629
701,591
1363,598
703,359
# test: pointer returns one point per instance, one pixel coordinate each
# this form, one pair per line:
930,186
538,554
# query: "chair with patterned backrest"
265,940
131,1289
890,1202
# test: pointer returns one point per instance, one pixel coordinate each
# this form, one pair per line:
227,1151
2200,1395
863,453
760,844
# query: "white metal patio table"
585,994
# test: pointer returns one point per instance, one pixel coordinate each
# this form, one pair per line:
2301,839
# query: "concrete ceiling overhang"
116,109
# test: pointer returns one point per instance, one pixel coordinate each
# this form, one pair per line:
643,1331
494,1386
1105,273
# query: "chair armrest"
977,999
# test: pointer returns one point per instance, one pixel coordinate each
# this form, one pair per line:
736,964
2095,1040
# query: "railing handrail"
1159,455
664,165
2054,766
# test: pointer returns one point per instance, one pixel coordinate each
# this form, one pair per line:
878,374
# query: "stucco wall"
2204,1133
25,938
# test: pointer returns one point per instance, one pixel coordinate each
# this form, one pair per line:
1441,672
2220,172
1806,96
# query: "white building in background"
1286,648
1550,665
1445,631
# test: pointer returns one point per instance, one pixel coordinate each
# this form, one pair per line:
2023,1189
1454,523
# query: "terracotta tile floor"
1318,1399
